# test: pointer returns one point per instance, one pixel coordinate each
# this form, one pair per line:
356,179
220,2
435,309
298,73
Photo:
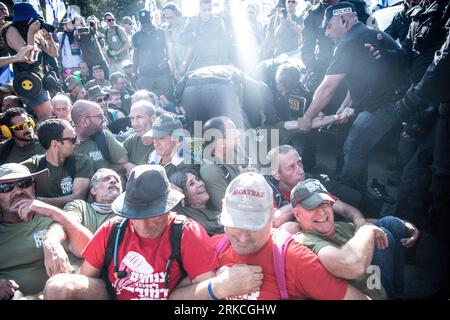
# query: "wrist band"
211,293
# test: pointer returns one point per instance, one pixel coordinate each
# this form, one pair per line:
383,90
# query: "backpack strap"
280,245
222,244
176,232
114,240
225,171
100,140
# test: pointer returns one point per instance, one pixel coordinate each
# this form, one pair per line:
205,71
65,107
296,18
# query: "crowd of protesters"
177,158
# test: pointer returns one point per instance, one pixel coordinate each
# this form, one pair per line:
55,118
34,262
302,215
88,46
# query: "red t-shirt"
145,260
306,278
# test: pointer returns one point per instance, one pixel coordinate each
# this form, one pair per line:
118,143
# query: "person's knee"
395,226
74,287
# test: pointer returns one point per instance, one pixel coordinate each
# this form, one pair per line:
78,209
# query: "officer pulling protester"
373,87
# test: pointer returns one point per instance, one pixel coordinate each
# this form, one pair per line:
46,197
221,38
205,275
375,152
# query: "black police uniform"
153,68
426,35
398,29
433,88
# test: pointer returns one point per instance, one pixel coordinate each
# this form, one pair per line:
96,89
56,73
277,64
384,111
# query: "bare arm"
80,189
88,270
350,213
321,98
352,259
235,281
282,215
77,234
354,294
21,56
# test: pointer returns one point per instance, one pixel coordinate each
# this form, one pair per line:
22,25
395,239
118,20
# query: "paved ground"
421,274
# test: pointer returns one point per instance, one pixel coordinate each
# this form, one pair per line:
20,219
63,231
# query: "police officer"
426,34
225,91
433,88
150,57
373,87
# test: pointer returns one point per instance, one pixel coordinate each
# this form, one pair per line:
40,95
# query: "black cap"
144,16
337,10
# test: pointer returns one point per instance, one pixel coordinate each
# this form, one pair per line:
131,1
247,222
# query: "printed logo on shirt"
96,155
66,185
39,238
141,278
251,296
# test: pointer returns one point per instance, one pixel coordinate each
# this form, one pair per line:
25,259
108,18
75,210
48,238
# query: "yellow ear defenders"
6,131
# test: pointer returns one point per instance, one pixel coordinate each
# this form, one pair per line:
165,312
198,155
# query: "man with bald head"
95,141
142,115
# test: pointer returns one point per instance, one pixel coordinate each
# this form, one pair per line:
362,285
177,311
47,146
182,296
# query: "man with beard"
22,142
69,174
98,143
24,221
287,171
105,187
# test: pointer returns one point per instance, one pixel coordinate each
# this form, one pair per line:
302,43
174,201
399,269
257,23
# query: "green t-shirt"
86,215
344,232
215,181
115,39
18,154
89,147
59,181
138,153
209,219
22,254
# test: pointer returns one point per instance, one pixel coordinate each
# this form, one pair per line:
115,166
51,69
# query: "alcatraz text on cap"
341,11
248,192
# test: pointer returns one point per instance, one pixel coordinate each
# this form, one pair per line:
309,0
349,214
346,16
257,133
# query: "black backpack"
115,238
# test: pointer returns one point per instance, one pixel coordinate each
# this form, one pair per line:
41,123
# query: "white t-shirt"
71,55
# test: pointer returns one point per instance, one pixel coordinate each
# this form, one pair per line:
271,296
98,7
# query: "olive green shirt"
344,232
59,181
209,219
22,254
88,217
138,153
215,181
89,147
175,165
18,154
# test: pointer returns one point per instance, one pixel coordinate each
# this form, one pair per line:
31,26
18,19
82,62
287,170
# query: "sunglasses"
100,100
22,184
71,139
21,126
109,20
291,1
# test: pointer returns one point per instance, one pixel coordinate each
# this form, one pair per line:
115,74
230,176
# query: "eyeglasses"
22,184
21,126
100,100
71,139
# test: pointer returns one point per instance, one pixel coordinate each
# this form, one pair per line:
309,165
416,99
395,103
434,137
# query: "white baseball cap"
248,203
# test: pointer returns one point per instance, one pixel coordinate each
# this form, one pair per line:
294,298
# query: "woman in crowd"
196,202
